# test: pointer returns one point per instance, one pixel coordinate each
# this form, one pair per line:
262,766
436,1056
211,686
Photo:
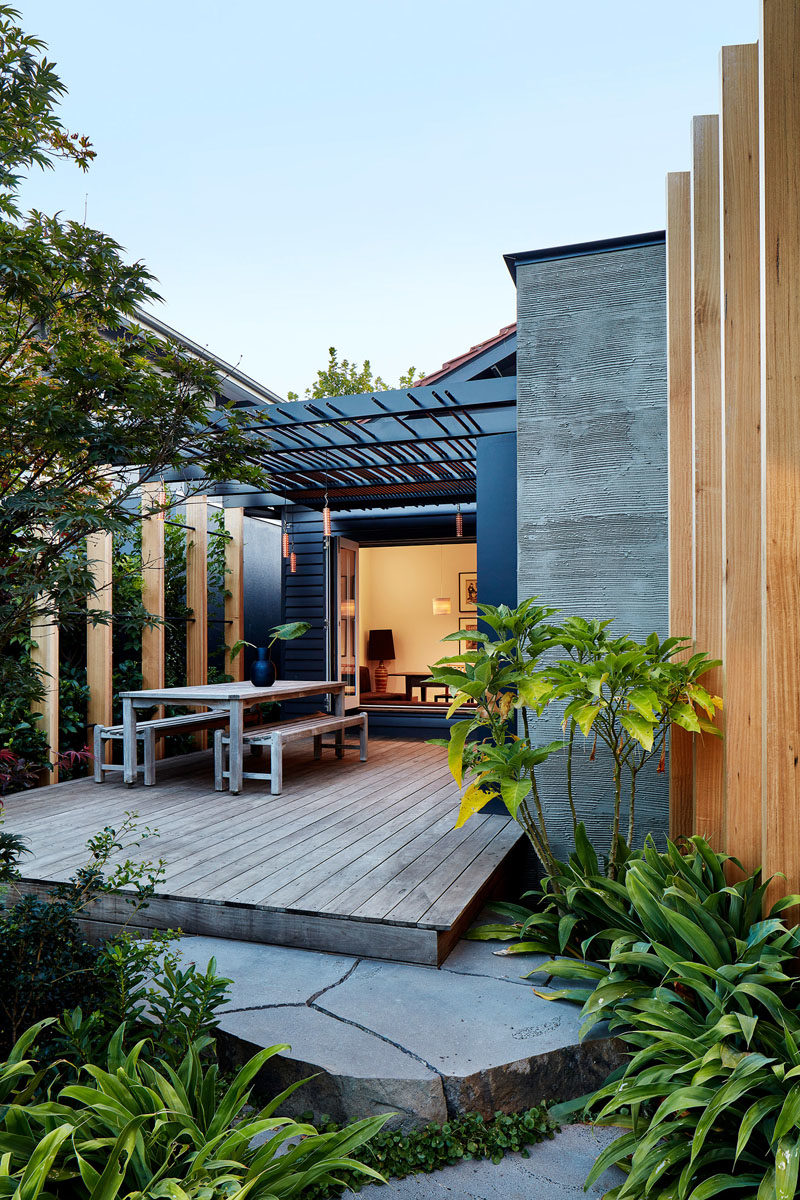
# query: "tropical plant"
132,1129
503,677
625,693
709,997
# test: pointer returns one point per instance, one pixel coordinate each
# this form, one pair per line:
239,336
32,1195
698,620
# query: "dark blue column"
496,467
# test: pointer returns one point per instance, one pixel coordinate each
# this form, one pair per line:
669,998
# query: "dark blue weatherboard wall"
592,472
262,582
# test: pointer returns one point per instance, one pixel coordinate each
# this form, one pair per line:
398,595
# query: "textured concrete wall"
592,473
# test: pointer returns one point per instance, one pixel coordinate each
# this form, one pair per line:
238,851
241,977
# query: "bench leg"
219,761
276,766
318,746
149,757
98,753
363,737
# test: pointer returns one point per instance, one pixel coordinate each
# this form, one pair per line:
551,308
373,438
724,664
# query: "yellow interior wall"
397,585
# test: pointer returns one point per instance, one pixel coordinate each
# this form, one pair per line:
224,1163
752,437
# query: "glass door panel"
347,619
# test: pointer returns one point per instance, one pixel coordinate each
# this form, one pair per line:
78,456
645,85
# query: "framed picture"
467,591
468,623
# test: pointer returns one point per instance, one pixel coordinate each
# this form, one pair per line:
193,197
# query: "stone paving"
380,1037
555,1170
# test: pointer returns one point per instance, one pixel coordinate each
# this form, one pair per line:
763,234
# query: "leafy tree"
91,405
345,378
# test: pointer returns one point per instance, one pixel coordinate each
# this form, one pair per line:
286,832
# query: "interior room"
410,597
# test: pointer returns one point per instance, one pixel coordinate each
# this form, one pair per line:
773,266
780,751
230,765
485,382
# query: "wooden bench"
147,732
275,736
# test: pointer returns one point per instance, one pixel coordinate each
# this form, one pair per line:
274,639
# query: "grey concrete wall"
592,474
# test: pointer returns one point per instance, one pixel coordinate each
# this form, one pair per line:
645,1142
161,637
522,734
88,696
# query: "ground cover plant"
396,1155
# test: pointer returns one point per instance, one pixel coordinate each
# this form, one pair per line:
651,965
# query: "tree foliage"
91,403
340,377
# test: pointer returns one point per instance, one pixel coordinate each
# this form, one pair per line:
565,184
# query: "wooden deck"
358,858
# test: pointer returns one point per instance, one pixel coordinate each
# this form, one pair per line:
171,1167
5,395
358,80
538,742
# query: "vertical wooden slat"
44,632
681,522
153,639
741,386
197,596
780,382
99,637
707,419
234,585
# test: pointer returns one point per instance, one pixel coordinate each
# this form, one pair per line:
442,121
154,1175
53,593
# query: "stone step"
421,1042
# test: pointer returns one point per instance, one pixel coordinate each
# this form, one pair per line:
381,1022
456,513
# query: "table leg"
128,742
338,709
236,748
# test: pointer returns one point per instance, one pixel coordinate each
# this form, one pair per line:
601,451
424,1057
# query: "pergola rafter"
418,444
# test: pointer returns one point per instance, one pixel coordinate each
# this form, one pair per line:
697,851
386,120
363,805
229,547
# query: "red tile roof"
473,352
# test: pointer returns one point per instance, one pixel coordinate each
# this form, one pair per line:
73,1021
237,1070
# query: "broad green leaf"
639,728
513,792
685,716
455,751
645,701
585,716
473,800
787,1161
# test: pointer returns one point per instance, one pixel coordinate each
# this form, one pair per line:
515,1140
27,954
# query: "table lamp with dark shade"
380,646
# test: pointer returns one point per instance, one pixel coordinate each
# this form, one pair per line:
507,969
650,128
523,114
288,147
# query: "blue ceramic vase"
262,672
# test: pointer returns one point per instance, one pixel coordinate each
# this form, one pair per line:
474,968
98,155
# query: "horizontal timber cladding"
304,596
592,476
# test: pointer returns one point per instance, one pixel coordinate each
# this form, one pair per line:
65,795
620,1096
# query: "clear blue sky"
314,174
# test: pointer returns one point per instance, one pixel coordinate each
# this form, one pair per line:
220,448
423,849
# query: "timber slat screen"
744,445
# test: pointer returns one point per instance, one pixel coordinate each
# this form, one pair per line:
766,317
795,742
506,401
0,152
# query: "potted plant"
262,670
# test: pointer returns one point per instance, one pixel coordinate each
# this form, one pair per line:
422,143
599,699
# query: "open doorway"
409,598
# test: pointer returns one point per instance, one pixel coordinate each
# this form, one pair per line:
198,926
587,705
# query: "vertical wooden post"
44,631
681,522
197,596
234,589
741,388
780,380
153,639
709,562
99,637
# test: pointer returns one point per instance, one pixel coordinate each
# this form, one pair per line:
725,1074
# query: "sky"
306,175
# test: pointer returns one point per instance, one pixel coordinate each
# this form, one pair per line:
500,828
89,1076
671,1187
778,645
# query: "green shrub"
706,993
434,1147
48,969
131,1129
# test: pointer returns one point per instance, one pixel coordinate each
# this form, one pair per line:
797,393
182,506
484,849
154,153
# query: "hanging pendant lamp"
459,522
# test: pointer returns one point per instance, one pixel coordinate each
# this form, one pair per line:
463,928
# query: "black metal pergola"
382,449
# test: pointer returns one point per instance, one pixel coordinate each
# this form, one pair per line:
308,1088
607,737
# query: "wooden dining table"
232,698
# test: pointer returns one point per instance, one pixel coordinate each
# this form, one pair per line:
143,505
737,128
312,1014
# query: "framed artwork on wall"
467,591
468,623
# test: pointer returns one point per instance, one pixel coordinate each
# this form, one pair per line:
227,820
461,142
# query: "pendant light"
292,563
284,538
441,604
326,512
459,522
